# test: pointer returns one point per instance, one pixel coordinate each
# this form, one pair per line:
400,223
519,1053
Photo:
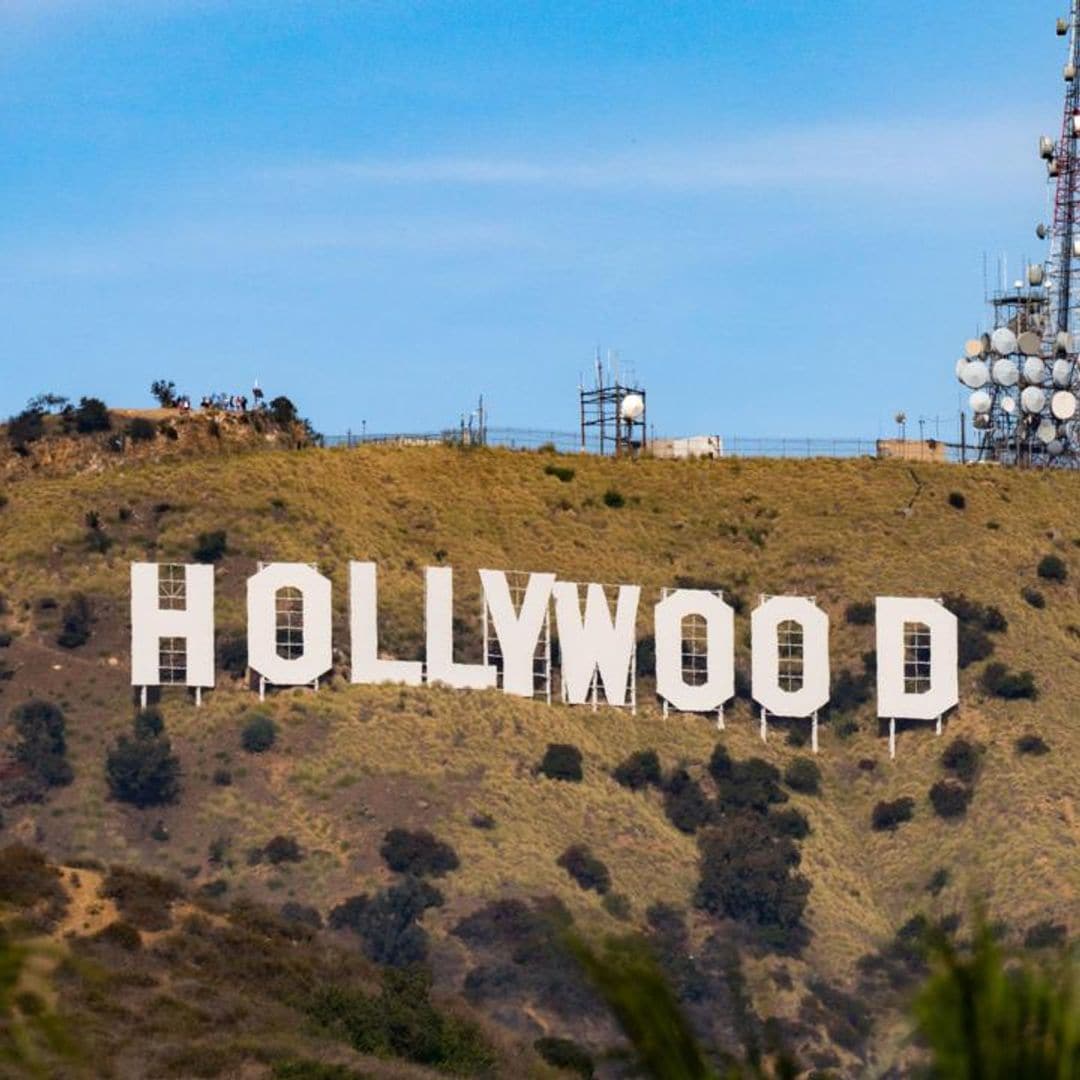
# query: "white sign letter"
439,623
595,643
789,668
188,593
517,633
719,619
289,624
366,665
921,636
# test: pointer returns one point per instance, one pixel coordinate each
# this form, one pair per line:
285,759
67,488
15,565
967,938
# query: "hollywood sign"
289,641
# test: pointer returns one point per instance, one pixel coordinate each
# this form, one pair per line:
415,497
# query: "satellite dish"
975,375
981,420
1008,405
1069,72
974,347
1061,372
1064,341
1030,344
632,407
901,417
1005,372
1076,124
1003,341
980,402
1056,448
1035,274
1032,400
1062,28
1063,405
1052,167
961,364
1046,432
1034,370
1040,231
1046,149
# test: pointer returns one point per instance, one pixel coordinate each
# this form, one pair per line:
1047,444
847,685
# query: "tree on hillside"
164,391
143,770
42,745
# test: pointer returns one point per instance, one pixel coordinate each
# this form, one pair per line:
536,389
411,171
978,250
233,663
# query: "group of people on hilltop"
237,403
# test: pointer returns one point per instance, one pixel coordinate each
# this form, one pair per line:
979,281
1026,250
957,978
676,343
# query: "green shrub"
25,428
803,775
143,899
561,761
614,499
566,1054
1033,597
789,822
963,758
232,652
258,734
1010,685
122,934
747,873
950,798
28,881
283,411
1046,935
92,414
149,723
1052,568
562,472
752,783
938,880
211,546
685,803
140,429
973,644
1032,744
957,500
585,868
387,923
890,815
418,853
42,742
75,622
143,770
282,849
641,769
860,613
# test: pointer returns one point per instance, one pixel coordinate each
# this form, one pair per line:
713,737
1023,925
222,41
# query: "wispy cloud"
912,154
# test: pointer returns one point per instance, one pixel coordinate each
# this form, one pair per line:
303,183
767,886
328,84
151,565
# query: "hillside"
352,762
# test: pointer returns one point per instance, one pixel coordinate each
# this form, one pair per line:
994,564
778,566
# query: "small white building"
691,446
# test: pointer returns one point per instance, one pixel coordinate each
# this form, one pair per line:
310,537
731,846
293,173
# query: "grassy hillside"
351,762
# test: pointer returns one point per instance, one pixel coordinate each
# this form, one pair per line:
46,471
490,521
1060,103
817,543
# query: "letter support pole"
892,737
813,733
764,731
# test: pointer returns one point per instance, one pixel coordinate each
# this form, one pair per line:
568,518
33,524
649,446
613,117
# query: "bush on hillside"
753,783
1010,685
561,472
957,500
789,822
1033,597
232,652
211,546
973,644
258,734
164,391
565,1054
803,775
387,923
28,881
418,854
950,798
585,868
1052,568
614,499
25,428
91,415
685,803
282,849
962,758
283,411
561,761
1046,935
42,742
143,770
1032,744
140,429
860,613
747,873
890,815
641,769
75,622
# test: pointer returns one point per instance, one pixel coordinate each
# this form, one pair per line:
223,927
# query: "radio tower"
1024,374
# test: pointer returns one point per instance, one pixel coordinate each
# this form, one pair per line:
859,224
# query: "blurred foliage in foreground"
981,1014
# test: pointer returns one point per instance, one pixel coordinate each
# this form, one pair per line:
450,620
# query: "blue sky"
775,212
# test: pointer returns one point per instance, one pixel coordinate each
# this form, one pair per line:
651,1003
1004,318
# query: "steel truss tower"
1024,377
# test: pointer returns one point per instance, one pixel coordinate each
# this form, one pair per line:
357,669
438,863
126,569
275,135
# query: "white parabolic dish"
1046,431
1061,371
633,405
973,347
975,375
1032,400
1034,370
1008,405
1063,405
1006,373
1003,341
980,402
1029,343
